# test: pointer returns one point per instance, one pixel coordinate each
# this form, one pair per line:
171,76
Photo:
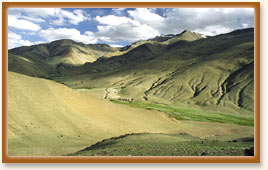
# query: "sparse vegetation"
166,145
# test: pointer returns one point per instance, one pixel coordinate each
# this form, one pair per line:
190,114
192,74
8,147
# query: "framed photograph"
131,82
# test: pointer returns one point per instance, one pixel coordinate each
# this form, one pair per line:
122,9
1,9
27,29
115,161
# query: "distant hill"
137,52
52,58
64,51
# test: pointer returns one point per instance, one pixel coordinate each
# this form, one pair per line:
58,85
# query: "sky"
119,26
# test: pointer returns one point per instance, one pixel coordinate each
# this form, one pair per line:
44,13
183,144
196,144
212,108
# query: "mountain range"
209,75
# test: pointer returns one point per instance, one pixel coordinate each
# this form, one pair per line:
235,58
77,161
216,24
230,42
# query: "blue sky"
119,26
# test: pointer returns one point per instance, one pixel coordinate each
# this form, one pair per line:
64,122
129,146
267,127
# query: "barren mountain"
213,71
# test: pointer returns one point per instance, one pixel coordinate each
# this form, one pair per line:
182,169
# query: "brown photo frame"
133,159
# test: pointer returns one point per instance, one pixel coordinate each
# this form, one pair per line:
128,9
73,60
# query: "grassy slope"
48,118
167,145
191,114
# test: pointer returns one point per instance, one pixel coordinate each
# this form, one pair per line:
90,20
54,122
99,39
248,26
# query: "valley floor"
46,118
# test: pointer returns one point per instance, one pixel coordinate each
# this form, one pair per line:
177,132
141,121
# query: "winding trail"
111,93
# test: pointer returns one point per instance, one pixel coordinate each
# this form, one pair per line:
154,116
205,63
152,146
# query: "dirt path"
111,93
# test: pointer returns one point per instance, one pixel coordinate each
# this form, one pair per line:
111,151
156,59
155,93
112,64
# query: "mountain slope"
136,53
48,118
64,51
55,119
182,70
31,66
185,35
215,71
163,39
51,59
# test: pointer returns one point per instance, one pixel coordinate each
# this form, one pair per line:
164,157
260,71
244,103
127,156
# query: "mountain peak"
186,31
63,41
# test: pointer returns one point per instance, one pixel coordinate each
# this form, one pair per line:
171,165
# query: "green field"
188,114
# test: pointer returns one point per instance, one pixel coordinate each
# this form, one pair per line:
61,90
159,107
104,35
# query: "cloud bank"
118,25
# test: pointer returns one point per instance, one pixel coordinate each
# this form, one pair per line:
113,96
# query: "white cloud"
55,16
116,28
33,19
217,20
39,42
213,30
31,14
77,16
59,22
15,40
32,33
142,23
116,45
210,20
116,20
74,17
22,24
52,34
145,16
146,23
38,12
13,35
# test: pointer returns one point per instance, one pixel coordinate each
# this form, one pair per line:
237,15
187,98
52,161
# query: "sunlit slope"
186,35
52,59
48,118
214,71
135,54
64,51
54,119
